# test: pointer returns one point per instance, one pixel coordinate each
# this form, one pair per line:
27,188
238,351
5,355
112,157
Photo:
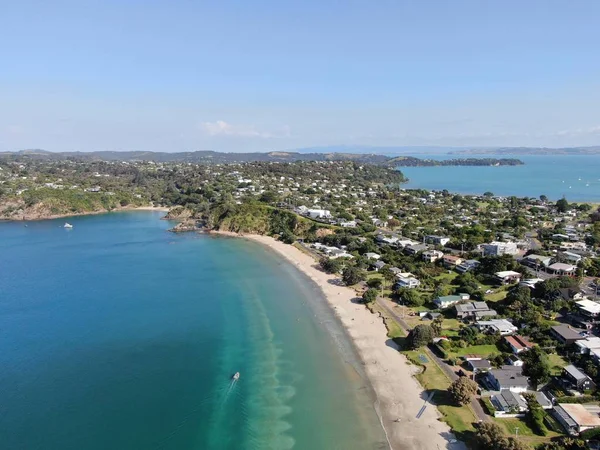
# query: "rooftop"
576,373
589,306
580,415
566,332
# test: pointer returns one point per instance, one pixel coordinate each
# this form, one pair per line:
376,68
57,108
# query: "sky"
185,75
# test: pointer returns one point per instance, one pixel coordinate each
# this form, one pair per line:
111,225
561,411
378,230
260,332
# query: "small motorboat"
67,225
236,376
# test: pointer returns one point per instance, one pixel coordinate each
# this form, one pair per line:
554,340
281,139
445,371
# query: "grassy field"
524,432
482,350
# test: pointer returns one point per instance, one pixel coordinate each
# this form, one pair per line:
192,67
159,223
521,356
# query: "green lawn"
557,363
482,350
497,295
447,276
525,433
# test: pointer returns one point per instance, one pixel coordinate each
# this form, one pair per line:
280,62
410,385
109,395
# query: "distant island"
209,157
409,161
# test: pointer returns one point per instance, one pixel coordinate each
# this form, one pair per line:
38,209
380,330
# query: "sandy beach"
399,394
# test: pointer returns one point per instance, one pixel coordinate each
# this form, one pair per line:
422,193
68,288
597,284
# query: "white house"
432,255
437,240
502,326
407,282
499,248
371,255
319,213
448,300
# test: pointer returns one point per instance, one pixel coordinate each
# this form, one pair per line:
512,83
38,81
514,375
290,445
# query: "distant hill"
211,157
595,150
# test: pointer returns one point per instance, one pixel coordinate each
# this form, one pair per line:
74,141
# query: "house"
437,240
348,224
502,326
339,253
565,334
475,310
536,261
468,265
578,379
407,282
415,248
451,261
514,360
507,276
518,343
479,365
508,377
432,255
588,344
318,213
448,300
371,255
378,265
530,282
570,257
508,402
562,269
499,248
575,418
588,308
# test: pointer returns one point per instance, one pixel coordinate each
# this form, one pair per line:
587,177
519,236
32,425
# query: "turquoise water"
119,335
575,177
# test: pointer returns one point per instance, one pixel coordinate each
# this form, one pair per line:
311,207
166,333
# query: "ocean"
577,178
120,335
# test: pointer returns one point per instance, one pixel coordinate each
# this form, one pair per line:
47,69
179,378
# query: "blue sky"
273,75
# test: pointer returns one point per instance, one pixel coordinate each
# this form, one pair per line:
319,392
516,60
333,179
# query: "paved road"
475,405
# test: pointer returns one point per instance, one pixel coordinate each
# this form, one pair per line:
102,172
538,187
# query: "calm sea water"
575,177
119,335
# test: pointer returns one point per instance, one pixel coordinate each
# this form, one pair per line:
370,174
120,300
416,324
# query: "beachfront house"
508,377
502,326
474,310
407,282
446,301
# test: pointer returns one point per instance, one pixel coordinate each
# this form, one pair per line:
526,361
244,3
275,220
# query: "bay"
577,178
117,334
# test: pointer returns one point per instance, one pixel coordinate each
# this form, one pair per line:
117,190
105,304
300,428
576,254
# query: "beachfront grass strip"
432,378
394,330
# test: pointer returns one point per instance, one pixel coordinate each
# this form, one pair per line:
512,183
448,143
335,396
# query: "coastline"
34,217
399,395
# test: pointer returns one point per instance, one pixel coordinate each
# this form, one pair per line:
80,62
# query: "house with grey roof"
474,310
508,378
565,334
578,379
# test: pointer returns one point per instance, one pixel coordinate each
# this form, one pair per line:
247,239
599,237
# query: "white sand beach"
391,375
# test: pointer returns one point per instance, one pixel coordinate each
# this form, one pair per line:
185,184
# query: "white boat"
236,376
67,225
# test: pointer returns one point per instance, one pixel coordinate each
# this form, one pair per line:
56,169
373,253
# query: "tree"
535,415
331,265
462,390
536,366
387,274
489,436
562,205
420,335
409,296
543,198
352,275
375,283
437,325
370,295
